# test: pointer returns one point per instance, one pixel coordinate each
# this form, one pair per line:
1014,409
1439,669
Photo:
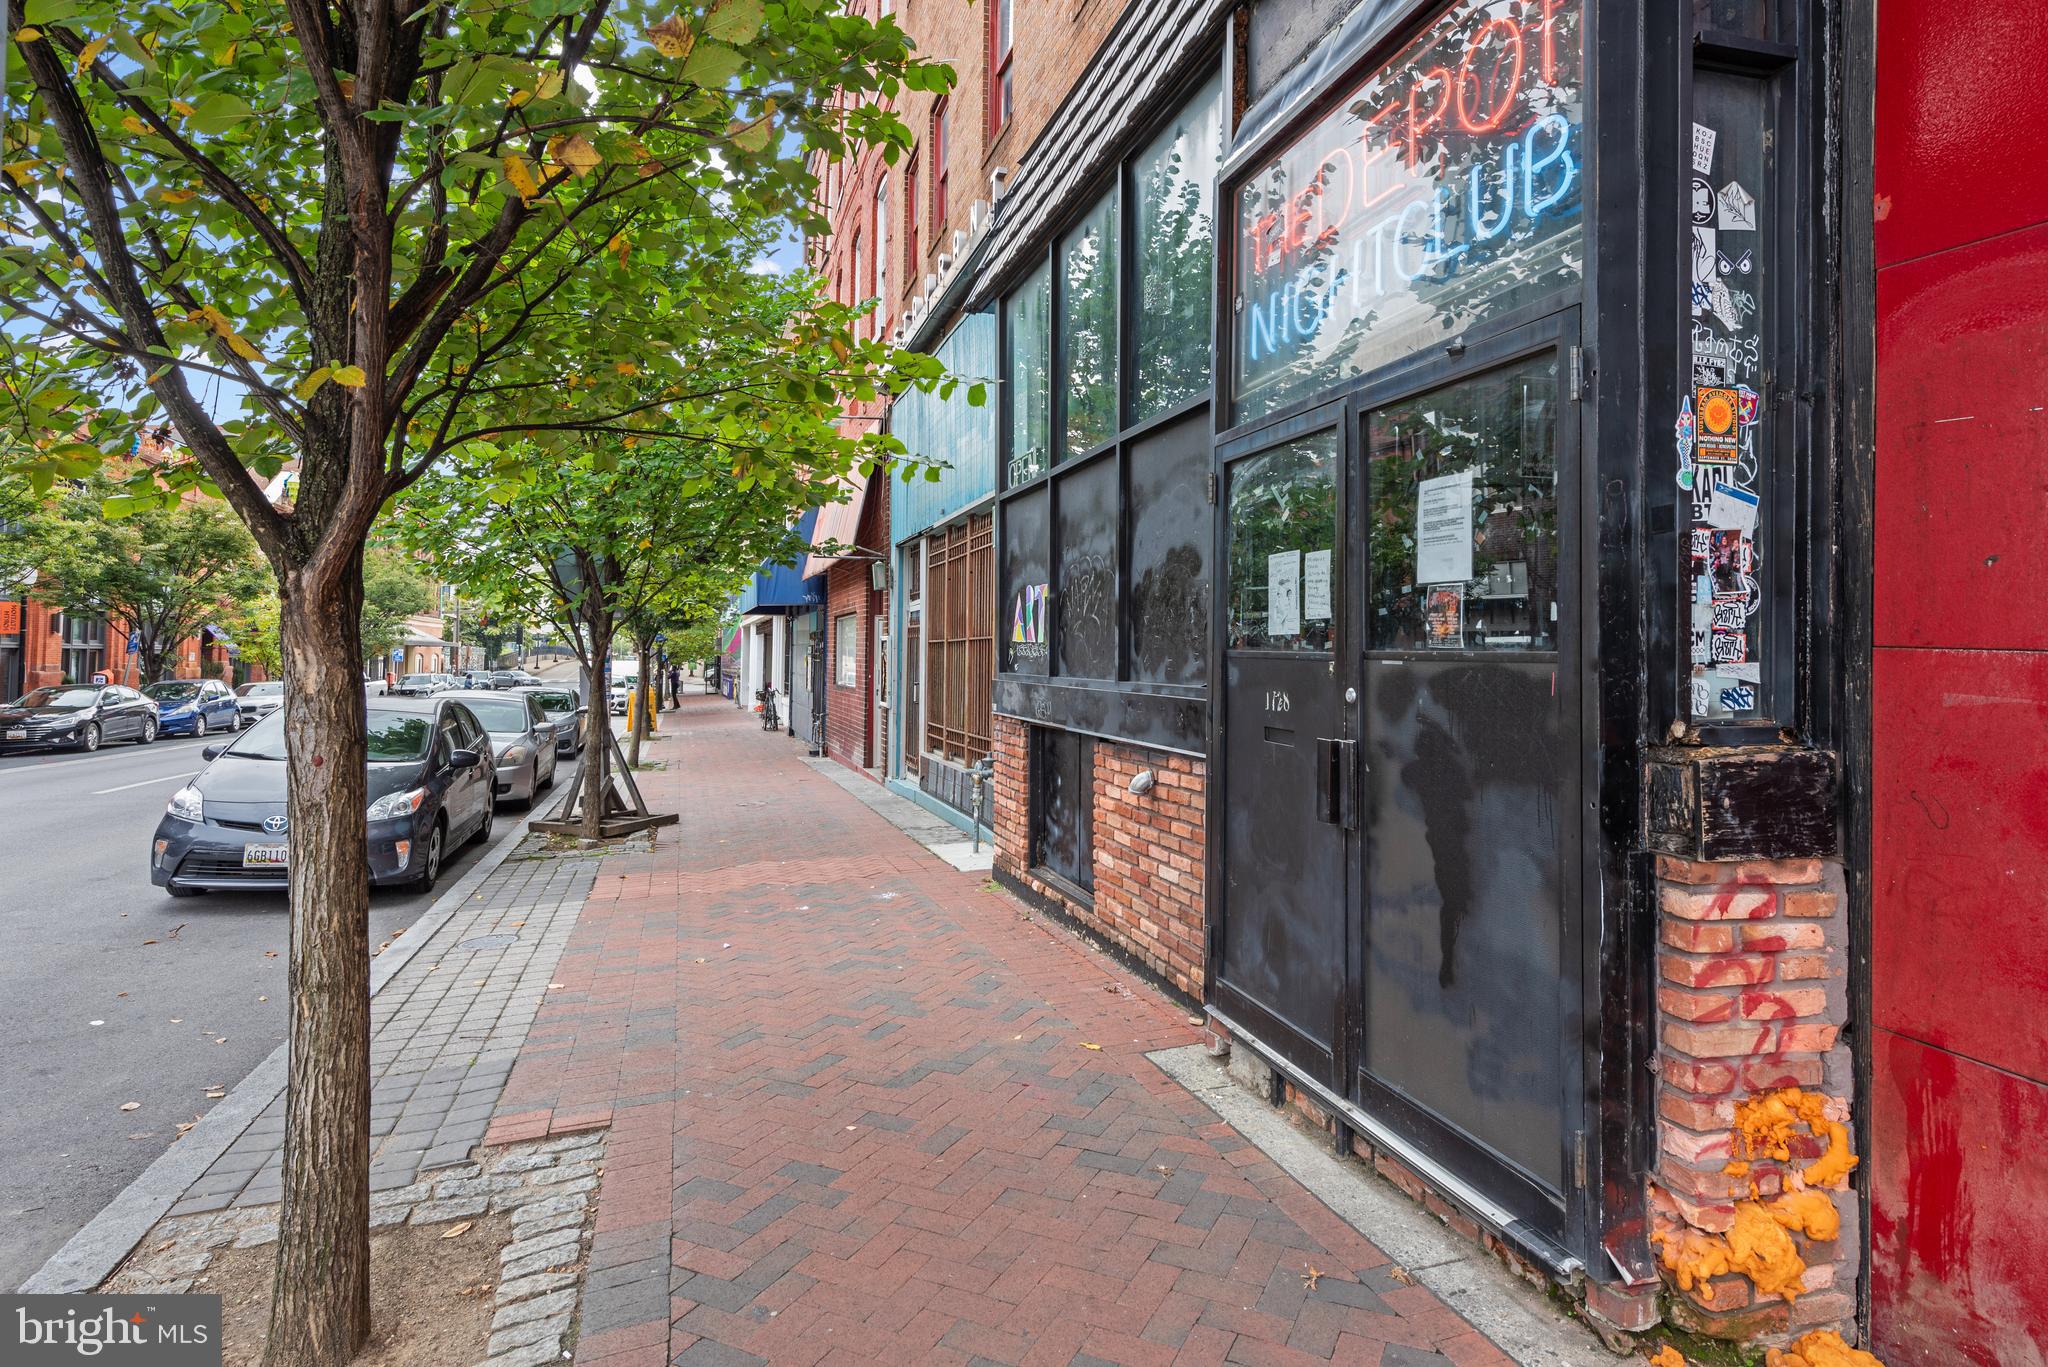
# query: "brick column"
1753,1092
1010,800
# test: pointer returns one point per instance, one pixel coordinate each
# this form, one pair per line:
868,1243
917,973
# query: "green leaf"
218,112
734,21
977,394
127,505
711,65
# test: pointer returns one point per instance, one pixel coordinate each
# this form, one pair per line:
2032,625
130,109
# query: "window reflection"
1463,523
1283,538
1088,328
1174,222
1026,321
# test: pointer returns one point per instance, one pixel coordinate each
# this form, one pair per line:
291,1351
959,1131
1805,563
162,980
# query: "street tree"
160,574
252,624
393,590
365,236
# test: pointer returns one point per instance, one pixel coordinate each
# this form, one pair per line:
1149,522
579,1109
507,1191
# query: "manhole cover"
489,942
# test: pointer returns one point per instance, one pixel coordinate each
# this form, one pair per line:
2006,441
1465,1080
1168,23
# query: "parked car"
259,700
374,686
430,771
523,738
417,685
193,707
83,715
512,678
567,712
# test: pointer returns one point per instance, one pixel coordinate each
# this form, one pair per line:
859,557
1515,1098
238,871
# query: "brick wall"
1753,1091
1147,853
850,712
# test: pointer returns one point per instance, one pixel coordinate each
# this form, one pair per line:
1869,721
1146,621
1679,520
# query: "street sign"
134,646
397,654
660,636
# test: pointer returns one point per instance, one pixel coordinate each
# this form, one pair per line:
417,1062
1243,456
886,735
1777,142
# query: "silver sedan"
522,738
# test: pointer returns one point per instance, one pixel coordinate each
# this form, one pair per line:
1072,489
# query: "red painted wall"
1958,1161
850,712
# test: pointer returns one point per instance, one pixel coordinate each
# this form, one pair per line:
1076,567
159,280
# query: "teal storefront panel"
952,431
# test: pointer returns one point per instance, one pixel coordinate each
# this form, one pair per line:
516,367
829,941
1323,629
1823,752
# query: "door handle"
1334,769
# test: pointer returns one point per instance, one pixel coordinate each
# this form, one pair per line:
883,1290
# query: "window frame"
846,650
911,252
941,114
1002,47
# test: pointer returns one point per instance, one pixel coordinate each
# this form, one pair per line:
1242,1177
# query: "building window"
1087,335
911,254
940,113
881,254
845,649
1027,324
959,640
84,647
998,66
859,294
1173,226
1063,815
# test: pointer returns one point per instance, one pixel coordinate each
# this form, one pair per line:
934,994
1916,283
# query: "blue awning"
783,586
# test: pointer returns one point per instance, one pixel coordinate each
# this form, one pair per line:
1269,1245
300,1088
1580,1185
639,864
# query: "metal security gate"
1399,758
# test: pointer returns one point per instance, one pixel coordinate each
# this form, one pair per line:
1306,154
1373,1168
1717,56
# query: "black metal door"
1285,801
1467,1038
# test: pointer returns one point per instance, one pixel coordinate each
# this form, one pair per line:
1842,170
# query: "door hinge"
1579,1160
1576,364
1212,490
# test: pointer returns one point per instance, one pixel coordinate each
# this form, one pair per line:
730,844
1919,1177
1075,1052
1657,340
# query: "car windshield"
181,691
260,690
64,699
395,737
414,680
556,704
500,717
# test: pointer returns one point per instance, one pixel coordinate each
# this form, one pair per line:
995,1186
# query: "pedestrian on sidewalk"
675,687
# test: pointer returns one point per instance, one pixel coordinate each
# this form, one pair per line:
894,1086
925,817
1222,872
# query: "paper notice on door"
1315,586
1283,593
1443,529
1732,510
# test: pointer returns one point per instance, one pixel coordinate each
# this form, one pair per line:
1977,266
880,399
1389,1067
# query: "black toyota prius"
430,790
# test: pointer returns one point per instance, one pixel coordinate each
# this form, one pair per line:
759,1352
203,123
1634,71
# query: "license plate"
17,735
265,856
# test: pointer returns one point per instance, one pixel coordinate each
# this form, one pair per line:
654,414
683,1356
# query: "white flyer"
1283,593
1703,140
1738,208
1315,586
1732,509
1443,529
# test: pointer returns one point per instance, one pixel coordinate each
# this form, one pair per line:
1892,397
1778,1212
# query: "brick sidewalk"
859,1115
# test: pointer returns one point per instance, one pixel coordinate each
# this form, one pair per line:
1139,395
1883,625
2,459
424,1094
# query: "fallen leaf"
1096,1047
149,942
270,954
455,1231
1194,1020
1311,1276
131,1105
222,1039
177,1020
120,994
168,1243
1162,1169
263,999
215,1094
1400,1274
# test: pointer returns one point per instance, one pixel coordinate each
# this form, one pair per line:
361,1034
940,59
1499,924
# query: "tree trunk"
597,751
320,1303
641,708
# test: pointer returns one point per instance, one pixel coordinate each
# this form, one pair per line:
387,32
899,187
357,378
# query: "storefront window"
1026,623
1283,541
1085,587
1088,344
1166,474
845,650
1443,193
1463,523
1027,325
1174,226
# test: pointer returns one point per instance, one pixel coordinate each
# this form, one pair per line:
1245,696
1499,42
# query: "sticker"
1745,405
1704,211
1729,611
1443,617
1702,696
1729,310
1732,509
1686,432
1731,647
1739,266
1283,593
1717,440
1705,249
1702,642
1728,358
1703,140
1702,297
1728,558
1738,208
1702,547
1749,673
1027,625
1738,698
1315,586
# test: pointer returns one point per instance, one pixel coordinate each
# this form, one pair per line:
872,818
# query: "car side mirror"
464,759
213,752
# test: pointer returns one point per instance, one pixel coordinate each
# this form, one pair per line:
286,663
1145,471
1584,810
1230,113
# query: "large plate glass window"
1088,346
1173,227
1027,324
1463,528
1442,193
1283,542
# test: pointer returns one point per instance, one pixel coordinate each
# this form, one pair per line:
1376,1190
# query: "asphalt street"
112,992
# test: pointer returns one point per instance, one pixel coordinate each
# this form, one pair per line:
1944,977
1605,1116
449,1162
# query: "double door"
1399,763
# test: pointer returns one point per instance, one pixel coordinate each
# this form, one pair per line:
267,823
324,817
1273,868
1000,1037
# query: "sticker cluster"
1720,422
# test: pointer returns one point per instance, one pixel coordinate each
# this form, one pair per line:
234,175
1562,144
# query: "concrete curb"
90,1256
1515,1316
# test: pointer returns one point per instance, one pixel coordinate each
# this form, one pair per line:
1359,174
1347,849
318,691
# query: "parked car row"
438,767
478,680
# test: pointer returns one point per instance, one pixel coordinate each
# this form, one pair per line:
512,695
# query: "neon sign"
1445,190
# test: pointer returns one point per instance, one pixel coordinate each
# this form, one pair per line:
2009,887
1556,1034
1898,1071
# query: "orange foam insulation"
1823,1348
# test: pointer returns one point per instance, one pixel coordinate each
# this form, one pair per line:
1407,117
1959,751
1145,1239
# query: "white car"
255,701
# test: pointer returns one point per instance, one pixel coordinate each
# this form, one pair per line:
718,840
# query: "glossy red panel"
1959,808
1960,141
1962,447
1959,1199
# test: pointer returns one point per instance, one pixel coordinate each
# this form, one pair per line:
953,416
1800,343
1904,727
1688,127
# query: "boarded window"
959,640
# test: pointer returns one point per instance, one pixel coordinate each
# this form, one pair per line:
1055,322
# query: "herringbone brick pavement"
864,1110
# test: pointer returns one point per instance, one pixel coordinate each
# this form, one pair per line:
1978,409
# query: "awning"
218,635
425,641
838,522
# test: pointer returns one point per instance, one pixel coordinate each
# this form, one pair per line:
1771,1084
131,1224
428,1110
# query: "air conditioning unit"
945,263
959,241
998,182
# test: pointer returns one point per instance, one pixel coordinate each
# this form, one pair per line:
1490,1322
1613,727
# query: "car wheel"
430,858
148,731
199,727
89,736
483,828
